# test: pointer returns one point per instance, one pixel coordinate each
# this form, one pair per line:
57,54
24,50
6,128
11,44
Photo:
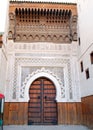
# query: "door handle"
38,97
45,97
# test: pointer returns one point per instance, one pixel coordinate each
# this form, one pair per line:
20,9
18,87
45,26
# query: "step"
42,127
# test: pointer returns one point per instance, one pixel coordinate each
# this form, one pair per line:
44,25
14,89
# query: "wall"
85,22
87,111
69,113
29,60
17,113
25,60
86,84
3,65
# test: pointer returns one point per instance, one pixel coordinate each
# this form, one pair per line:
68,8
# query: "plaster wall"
3,65
85,21
85,24
57,60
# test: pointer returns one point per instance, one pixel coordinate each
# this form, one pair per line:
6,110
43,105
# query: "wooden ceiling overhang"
42,21
43,8
43,12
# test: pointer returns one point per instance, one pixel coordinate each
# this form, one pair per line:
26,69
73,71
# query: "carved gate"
42,107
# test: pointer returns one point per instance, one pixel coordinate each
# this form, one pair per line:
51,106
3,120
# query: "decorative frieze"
47,48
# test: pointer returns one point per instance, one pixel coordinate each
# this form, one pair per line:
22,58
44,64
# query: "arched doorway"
42,106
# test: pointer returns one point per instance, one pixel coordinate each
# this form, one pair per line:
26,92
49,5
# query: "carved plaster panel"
48,49
28,72
31,65
27,59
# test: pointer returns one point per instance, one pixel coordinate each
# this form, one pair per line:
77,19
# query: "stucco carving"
58,65
39,73
52,66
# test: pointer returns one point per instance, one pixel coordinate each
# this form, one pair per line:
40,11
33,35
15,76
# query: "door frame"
46,75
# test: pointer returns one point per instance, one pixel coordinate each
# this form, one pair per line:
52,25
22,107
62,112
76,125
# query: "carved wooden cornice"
43,12
35,23
43,5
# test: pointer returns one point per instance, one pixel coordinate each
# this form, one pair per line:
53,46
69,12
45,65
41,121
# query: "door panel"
42,107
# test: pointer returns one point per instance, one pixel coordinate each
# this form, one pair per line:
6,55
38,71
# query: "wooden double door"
42,107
